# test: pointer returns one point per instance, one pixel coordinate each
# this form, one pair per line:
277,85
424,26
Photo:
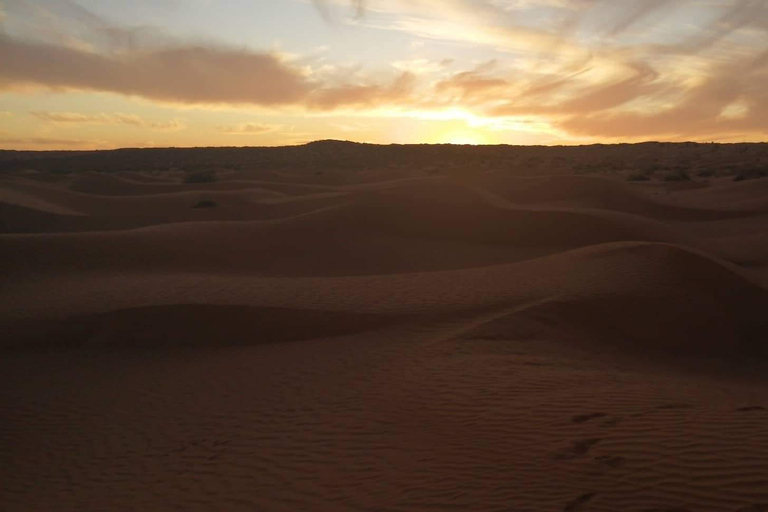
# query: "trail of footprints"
581,447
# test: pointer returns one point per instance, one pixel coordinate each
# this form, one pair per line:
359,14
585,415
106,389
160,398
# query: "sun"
465,138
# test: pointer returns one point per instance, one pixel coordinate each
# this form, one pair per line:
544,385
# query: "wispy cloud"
76,118
593,68
45,142
182,74
249,129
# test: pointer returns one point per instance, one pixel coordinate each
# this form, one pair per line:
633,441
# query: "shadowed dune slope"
373,232
35,197
142,177
189,325
748,195
677,302
449,210
30,208
354,335
650,296
110,185
91,203
599,193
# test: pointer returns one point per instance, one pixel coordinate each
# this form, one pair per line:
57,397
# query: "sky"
100,74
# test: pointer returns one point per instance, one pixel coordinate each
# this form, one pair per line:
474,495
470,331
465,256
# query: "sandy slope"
382,342
610,194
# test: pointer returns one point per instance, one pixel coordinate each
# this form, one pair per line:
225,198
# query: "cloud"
602,68
705,110
472,84
47,142
248,129
323,8
739,14
420,66
76,118
192,74
589,99
636,12
362,95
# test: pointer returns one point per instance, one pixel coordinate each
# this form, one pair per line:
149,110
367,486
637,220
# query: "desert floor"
498,334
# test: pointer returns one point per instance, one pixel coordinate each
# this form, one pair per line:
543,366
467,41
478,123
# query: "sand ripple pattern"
388,339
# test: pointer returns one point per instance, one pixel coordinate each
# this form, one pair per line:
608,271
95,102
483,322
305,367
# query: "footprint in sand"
583,418
577,449
611,462
667,510
579,502
612,422
674,406
752,408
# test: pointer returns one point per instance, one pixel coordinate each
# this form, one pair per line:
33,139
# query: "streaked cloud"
47,142
248,129
76,118
192,74
570,69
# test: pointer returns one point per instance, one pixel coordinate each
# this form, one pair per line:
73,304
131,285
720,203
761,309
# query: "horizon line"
442,144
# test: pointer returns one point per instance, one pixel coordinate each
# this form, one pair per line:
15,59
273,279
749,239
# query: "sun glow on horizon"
465,138
469,72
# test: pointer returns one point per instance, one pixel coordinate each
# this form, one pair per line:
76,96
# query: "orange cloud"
470,84
700,112
48,142
191,74
248,129
346,95
604,85
76,118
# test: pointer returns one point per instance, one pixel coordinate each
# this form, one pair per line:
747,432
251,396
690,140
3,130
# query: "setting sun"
466,138
270,73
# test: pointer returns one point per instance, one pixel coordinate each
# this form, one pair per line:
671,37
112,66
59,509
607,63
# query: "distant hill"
335,155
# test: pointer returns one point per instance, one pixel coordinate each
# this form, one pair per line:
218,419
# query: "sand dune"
87,212
677,303
143,177
749,196
603,194
34,198
655,276
445,209
109,185
350,238
191,325
377,335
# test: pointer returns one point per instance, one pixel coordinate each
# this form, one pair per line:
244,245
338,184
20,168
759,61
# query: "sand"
388,338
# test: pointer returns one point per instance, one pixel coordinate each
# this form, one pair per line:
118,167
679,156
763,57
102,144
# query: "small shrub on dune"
750,174
206,203
678,175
